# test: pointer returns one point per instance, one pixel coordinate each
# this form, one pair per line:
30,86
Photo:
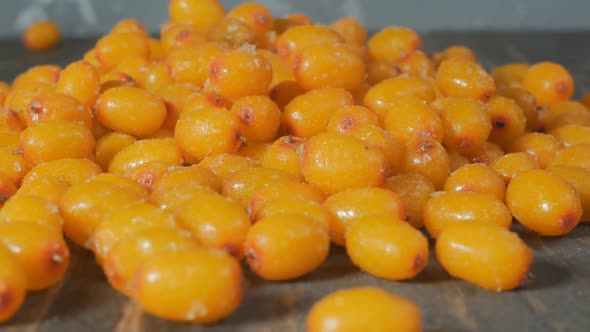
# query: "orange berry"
549,82
579,179
294,40
510,74
7,188
457,160
12,284
9,139
363,309
353,32
158,77
487,153
207,131
451,207
575,155
294,190
41,35
393,43
260,118
10,121
508,121
56,139
294,206
476,178
18,99
374,136
163,150
459,78
454,52
308,114
70,170
416,63
415,190
525,100
350,206
333,162
115,47
121,182
380,70
542,147
39,249
284,154
509,165
176,97
81,81
483,254
255,15
387,247
223,165
109,145
129,25
191,64
199,13
243,184
33,209
254,151
195,175
231,33
13,165
57,106
347,119
410,118
554,209
572,134
37,74
381,96
286,247
171,198
48,188
428,158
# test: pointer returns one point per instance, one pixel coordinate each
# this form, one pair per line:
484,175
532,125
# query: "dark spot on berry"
419,262
261,19
568,221
297,63
5,299
561,87
348,124
425,146
184,34
464,142
485,96
215,70
232,249
3,198
246,115
499,123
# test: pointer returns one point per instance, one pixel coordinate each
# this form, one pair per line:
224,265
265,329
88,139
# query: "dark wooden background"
554,297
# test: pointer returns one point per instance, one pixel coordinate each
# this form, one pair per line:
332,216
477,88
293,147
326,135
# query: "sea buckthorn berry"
293,41
483,254
204,99
280,71
454,52
18,99
363,308
549,82
48,188
13,164
294,190
510,74
415,190
39,249
223,165
428,158
71,170
452,207
542,147
115,47
133,67
459,78
487,153
508,121
572,134
57,106
195,285
41,35
393,43
256,16
329,66
207,131
409,118
555,110
124,221
33,209
12,284
579,179
125,257
456,160
175,97
10,121
381,96
286,247
156,49
195,175
260,118
347,119
239,73
380,70
157,77
353,32
554,209
9,139
387,247
81,81
375,136
199,13
575,155
525,100
308,114
130,110
243,184
333,162
129,25
173,197
186,37
510,164
231,33
109,145
284,153
572,117
348,207
84,206
164,150
476,178
147,174
56,139
7,188
121,182
191,64
294,206
38,74
416,63
254,151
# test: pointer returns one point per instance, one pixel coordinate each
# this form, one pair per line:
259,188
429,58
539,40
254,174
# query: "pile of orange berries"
239,136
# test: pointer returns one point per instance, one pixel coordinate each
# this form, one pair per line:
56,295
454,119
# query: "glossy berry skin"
308,114
231,33
130,110
41,35
57,106
115,47
554,209
12,284
57,139
195,285
48,188
201,14
509,165
392,43
525,100
415,190
510,74
109,145
388,248
10,121
243,184
508,121
575,155
32,209
579,179
428,158
333,162
381,96
353,32
70,170
542,147
379,138
484,254
286,247
410,118
284,153
486,154
160,150
81,81
416,63
260,118
347,119
293,41
448,208
293,190
191,64
255,15
40,250
363,309
13,165
350,206
40,73
223,165
459,78
476,178
185,175
549,82
295,205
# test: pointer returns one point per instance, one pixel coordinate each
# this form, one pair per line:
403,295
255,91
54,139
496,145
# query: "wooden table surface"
555,296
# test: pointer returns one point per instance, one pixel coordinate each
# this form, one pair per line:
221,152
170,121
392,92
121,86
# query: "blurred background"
79,18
